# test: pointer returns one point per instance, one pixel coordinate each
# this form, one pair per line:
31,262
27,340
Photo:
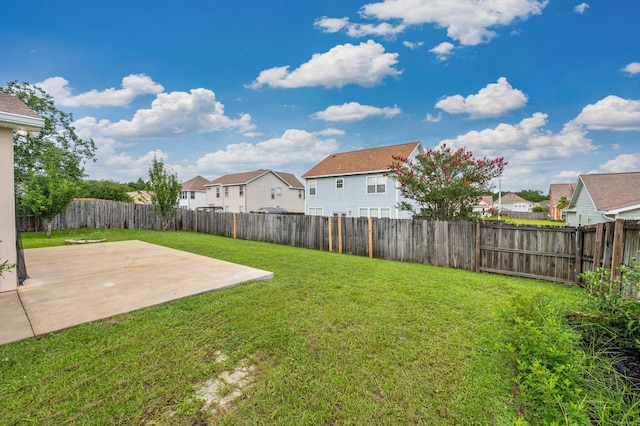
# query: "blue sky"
218,87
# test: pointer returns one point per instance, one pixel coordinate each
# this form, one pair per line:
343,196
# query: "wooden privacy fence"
545,252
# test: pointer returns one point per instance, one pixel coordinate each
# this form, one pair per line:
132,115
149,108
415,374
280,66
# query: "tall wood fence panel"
551,253
528,251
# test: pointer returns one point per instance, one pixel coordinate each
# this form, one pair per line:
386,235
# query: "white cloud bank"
494,100
293,148
132,86
526,141
170,114
611,113
365,64
353,111
334,25
467,21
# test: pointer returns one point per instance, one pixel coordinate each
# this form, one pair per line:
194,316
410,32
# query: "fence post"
478,244
618,244
339,233
597,254
235,226
330,230
579,250
370,236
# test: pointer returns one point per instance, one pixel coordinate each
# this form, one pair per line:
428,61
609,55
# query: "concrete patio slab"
75,284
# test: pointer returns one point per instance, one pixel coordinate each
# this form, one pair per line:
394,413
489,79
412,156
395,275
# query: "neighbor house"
483,207
14,116
193,194
511,202
604,197
355,183
558,191
250,191
141,196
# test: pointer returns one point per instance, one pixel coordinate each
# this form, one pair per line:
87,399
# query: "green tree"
138,185
445,184
533,195
48,191
166,190
58,132
563,203
104,190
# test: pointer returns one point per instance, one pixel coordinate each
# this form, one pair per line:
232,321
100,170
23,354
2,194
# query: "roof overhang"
20,122
368,172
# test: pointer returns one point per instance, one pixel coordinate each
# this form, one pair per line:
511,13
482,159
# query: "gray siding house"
354,184
604,197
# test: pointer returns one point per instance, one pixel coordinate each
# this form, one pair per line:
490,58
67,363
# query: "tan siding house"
250,191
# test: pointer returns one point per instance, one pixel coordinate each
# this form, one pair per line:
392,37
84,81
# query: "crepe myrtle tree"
445,184
165,191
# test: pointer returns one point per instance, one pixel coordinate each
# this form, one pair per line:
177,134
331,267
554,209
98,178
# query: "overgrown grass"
336,339
539,222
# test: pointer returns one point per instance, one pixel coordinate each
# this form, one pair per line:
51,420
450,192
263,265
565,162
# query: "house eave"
20,122
369,172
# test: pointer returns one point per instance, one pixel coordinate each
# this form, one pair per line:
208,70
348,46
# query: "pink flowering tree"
444,183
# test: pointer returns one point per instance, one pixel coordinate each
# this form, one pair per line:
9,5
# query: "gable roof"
611,191
511,198
246,177
559,190
362,161
195,184
16,114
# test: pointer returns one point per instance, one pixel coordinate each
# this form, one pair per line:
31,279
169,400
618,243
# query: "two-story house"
354,183
193,194
604,197
250,191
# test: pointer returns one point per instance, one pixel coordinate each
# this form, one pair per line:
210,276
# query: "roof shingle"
195,184
13,105
362,161
246,177
612,191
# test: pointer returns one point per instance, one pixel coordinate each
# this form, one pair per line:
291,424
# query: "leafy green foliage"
6,266
534,195
166,190
104,190
58,132
540,209
138,185
49,191
444,183
549,363
615,301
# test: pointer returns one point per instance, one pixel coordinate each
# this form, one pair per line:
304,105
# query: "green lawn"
335,339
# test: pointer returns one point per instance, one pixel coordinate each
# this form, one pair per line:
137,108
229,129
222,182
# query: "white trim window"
339,183
315,211
313,187
376,212
376,185
241,191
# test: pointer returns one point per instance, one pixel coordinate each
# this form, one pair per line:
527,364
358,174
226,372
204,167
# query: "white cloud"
468,21
171,114
568,175
526,141
365,64
431,119
293,148
132,86
443,50
622,163
493,100
334,25
611,113
632,68
412,45
353,111
581,8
